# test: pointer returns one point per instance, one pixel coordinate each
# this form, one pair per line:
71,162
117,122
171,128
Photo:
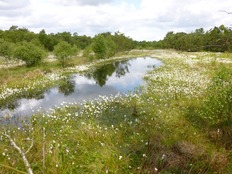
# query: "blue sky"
139,19
135,3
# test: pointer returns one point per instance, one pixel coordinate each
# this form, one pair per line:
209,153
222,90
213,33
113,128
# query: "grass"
161,130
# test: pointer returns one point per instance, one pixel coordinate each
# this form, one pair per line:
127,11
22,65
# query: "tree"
122,42
110,46
82,42
215,39
169,40
45,40
15,34
99,47
65,36
218,39
30,53
200,31
63,50
197,40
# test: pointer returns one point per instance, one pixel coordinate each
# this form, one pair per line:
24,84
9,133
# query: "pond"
108,79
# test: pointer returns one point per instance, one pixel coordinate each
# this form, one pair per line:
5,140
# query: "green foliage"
82,41
66,86
106,45
218,39
183,41
218,103
6,48
88,53
122,42
63,51
16,35
65,36
30,53
47,40
99,47
110,47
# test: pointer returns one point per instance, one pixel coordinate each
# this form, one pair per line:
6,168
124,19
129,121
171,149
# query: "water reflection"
66,86
109,79
101,73
12,103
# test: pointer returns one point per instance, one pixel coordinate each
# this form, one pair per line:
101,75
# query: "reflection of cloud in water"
30,103
82,80
134,78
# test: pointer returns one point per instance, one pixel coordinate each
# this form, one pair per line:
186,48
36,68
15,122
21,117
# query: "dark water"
109,79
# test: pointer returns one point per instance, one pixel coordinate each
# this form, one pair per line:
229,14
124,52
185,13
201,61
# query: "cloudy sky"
138,19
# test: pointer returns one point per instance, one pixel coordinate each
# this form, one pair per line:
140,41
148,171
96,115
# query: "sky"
139,19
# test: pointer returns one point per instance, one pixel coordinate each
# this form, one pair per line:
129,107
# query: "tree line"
217,39
20,43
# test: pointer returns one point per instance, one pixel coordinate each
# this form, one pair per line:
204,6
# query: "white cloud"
81,2
139,19
12,4
12,9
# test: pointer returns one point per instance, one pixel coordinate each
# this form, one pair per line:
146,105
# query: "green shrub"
99,47
63,51
218,102
30,53
6,48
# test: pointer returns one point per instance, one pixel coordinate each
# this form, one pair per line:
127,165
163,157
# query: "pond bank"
119,76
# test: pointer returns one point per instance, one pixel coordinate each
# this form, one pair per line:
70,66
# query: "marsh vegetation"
179,123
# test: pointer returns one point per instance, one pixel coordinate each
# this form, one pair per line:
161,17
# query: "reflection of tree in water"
122,68
101,73
67,86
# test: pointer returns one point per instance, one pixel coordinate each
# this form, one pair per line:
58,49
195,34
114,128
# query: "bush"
99,47
218,102
6,48
30,53
88,53
103,46
63,50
